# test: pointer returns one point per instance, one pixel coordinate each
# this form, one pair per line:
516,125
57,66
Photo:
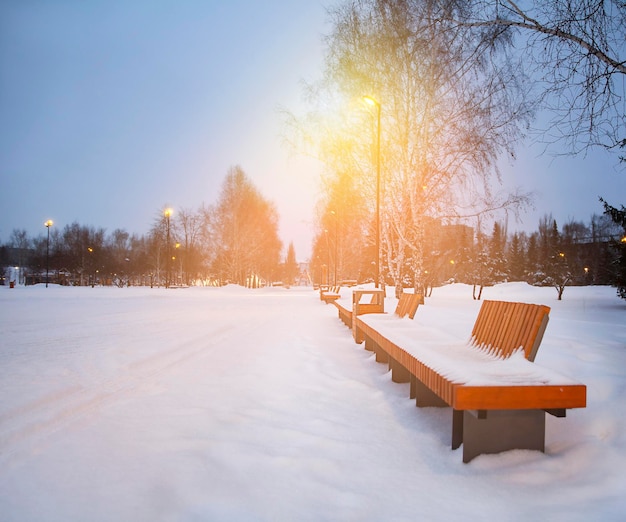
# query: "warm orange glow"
451,261
48,223
168,212
90,249
561,254
623,240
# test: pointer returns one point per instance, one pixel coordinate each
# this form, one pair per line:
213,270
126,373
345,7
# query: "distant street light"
327,259
93,281
48,224
375,103
168,214
179,279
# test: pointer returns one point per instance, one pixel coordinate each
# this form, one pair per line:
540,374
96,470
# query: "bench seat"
406,307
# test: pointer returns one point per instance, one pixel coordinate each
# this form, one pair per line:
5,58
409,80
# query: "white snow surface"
234,404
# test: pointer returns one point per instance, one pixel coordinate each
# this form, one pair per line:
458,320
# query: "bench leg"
398,372
424,397
457,428
381,355
357,334
494,431
369,344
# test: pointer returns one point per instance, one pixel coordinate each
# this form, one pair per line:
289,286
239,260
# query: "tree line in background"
575,254
234,241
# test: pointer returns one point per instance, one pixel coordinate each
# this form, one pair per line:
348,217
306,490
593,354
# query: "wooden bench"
407,306
499,397
331,294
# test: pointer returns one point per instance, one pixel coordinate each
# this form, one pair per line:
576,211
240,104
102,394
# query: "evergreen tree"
497,265
515,258
618,216
532,259
291,265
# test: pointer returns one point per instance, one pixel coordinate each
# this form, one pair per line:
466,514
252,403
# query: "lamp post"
48,224
91,268
179,278
327,259
335,247
168,214
375,103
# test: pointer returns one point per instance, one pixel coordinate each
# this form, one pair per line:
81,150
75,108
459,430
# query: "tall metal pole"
168,213
378,198
336,245
48,225
373,101
336,249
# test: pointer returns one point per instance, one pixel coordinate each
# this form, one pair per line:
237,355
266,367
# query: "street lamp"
327,259
91,267
48,224
375,103
179,279
168,213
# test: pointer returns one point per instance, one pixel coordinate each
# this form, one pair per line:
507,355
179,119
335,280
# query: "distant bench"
407,306
498,396
330,294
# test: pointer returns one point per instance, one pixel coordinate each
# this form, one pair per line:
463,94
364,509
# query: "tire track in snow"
25,429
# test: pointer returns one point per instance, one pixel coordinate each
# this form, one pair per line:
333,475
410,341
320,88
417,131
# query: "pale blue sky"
110,110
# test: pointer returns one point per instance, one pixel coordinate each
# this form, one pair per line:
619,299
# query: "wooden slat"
416,300
408,304
519,397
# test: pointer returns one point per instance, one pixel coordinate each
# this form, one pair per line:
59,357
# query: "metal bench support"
494,431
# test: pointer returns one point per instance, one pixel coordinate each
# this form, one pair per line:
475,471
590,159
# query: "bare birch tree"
576,51
450,106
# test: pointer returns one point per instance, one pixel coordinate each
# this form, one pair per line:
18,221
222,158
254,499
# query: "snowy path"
230,404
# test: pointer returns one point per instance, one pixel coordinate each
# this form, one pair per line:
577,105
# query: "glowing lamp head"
168,212
371,101
48,223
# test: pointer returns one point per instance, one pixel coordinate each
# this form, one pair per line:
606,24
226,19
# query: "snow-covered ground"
231,404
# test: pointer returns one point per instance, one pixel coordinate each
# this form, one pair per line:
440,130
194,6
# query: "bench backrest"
408,304
502,327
